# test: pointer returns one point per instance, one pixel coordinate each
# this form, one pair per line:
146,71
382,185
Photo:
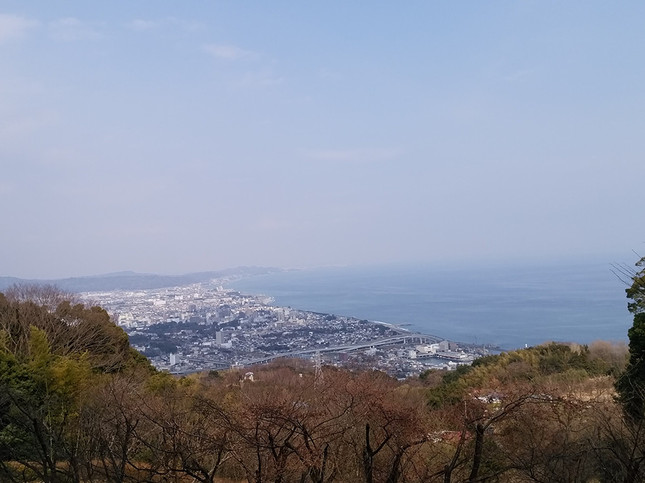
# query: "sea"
506,306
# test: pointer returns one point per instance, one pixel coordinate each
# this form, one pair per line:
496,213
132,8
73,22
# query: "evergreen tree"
631,383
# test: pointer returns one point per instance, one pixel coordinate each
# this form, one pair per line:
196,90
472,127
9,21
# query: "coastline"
504,307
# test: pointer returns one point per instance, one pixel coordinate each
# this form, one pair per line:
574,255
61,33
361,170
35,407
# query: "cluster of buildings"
206,327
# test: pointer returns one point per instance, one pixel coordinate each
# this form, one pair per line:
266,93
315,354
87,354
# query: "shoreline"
391,326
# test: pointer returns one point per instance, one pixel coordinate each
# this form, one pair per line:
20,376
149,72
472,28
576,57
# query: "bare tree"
45,295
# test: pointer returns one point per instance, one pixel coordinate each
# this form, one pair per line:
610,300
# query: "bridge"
402,338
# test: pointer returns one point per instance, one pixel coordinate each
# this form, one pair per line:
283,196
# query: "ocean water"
506,306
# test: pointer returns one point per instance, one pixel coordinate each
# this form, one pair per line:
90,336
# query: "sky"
173,137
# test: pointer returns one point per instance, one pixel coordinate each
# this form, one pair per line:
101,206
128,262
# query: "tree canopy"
631,384
78,404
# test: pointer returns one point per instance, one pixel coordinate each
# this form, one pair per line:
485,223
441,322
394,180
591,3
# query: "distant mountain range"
136,281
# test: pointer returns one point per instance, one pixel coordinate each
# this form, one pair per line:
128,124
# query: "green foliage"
557,358
636,291
631,384
452,388
556,362
136,361
489,360
67,329
52,359
77,403
39,352
161,382
452,377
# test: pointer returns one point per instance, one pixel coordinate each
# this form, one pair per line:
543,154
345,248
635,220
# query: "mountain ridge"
130,280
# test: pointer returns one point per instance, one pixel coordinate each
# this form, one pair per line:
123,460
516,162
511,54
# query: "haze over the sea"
507,306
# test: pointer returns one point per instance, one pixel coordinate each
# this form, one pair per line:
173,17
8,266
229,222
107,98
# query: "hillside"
136,281
78,404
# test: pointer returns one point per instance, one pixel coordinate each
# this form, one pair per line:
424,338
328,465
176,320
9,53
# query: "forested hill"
135,281
78,404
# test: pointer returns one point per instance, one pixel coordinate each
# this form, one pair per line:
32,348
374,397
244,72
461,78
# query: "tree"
70,328
46,296
636,290
42,394
631,383
54,356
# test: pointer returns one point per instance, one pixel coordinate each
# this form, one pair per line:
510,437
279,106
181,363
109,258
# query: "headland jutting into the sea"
203,326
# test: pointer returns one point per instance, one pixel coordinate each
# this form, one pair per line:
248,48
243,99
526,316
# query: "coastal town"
204,326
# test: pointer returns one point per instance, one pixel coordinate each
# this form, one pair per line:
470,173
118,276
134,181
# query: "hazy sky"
170,137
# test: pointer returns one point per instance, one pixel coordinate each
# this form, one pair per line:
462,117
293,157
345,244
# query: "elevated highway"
402,338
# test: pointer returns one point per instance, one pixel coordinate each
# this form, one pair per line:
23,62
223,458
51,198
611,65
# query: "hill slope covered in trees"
78,404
